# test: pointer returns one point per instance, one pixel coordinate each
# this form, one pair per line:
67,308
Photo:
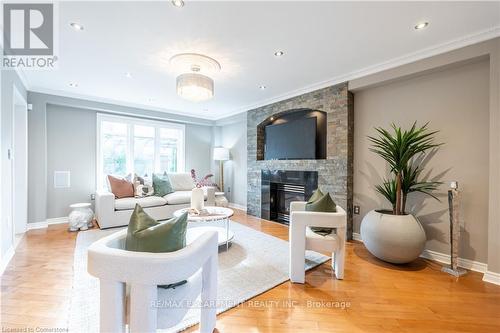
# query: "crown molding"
428,52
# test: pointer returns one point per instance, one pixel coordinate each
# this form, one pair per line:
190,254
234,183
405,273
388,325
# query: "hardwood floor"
373,297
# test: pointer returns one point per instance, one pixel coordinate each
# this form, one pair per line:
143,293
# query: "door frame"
18,101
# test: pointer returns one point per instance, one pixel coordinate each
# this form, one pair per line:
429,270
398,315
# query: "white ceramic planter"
397,239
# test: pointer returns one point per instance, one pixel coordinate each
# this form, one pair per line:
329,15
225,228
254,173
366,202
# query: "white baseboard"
491,277
6,259
472,265
36,225
236,206
46,223
57,220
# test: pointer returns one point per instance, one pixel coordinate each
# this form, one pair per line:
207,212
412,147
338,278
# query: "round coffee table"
213,214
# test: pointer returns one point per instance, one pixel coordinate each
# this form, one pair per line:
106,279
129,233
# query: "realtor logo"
29,35
28,29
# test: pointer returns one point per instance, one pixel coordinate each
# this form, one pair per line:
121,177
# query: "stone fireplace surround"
335,173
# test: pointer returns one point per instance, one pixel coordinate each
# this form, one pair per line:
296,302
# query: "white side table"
220,214
81,216
221,200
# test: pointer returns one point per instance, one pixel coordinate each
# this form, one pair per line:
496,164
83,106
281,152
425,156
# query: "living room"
250,166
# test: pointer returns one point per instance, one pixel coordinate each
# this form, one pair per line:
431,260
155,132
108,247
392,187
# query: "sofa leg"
112,306
143,311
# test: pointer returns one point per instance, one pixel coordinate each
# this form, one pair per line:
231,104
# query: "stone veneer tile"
335,173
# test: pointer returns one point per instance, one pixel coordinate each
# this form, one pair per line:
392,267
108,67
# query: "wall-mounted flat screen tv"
292,140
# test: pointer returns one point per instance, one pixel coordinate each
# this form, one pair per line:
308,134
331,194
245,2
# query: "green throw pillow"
315,196
145,234
161,185
323,204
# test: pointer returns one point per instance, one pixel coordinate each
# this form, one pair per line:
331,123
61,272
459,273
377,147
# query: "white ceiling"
324,42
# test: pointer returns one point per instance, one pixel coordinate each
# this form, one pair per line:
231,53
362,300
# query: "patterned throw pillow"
161,185
323,204
142,191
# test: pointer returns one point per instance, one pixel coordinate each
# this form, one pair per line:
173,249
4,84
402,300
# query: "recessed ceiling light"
178,3
73,84
76,26
279,53
421,25
262,87
128,74
271,119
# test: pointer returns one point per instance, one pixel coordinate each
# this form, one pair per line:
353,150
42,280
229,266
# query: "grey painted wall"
455,102
490,51
71,146
232,134
198,148
50,151
9,79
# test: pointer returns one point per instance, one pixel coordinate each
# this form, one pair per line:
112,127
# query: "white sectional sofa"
112,212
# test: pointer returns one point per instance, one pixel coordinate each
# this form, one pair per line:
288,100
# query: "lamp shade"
195,87
221,154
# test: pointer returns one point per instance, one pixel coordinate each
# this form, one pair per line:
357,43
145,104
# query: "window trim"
131,121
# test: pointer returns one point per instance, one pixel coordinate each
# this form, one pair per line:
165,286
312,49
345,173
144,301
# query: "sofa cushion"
180,197
181,181
129,203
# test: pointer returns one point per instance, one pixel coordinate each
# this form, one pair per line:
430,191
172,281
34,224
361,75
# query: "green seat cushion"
324,204
161,185
145,234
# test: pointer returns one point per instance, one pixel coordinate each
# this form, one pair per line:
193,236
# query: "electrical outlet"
92,196
229,189
356,210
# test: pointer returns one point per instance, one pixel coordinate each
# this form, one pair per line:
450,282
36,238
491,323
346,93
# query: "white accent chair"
302,238
143,272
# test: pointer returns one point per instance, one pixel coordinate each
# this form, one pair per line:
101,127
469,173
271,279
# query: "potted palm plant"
395,235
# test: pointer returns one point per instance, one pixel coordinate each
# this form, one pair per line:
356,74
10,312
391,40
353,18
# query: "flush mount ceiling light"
178,3
194,84
76,26
279,53
421,25
195,87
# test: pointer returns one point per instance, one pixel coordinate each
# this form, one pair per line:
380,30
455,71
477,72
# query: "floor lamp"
221,154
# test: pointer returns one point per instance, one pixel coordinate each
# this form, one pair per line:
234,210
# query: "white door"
19,164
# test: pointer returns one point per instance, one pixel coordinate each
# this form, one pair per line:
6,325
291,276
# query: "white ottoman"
220,200
81,216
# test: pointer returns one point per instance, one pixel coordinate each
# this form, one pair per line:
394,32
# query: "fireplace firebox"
280,187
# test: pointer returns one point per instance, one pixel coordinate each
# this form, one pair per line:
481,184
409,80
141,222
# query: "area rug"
255,263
